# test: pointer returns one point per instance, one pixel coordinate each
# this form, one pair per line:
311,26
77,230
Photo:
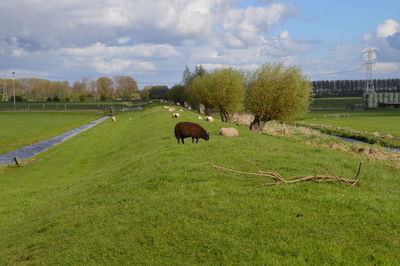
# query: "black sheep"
188,129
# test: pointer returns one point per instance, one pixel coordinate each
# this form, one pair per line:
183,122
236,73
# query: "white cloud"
123,40
385,68
117,65
386,39
389,27
143,37
13,47
284,35
140,50
248,25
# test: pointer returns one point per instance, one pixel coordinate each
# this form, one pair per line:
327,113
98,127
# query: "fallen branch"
329,176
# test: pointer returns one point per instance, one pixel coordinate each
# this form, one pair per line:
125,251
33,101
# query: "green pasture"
382,121
18,129
127,193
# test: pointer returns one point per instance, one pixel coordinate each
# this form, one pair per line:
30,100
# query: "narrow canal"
38,147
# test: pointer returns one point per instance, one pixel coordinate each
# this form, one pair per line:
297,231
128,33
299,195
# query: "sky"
153,40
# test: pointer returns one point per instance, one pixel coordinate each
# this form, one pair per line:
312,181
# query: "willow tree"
227,91
199,92
275,92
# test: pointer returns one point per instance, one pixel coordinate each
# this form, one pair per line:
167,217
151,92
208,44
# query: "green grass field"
23,128
382,121
127,193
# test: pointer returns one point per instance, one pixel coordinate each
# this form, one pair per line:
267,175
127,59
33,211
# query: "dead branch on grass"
329,176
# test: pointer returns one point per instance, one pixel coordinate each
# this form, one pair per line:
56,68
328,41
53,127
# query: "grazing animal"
229,132
209,119
188,129
113,118
175,115
171,109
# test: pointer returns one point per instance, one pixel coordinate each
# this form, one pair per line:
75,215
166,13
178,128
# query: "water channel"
38,147
359,141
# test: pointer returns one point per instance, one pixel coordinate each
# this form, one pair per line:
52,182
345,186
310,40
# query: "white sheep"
165,107
175,115
171,109
209,119
113,118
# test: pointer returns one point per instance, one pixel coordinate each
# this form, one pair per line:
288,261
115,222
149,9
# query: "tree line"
272,92
322,88
103,88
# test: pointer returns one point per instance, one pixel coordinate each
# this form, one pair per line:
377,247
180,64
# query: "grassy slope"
382,121
128,192
21,129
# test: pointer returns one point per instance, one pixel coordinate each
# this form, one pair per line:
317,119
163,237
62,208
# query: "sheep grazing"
171,109
229,132
165,107
176,115
209,119
113,118
187,129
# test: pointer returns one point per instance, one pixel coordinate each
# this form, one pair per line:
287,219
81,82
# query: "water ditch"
41,146
359,141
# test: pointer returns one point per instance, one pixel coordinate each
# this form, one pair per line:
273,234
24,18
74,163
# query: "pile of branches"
328,176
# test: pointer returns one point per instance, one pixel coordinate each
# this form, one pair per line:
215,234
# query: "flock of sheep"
177,115
195,131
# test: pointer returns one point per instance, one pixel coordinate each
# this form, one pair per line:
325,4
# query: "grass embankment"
371,126
126,192
21,129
